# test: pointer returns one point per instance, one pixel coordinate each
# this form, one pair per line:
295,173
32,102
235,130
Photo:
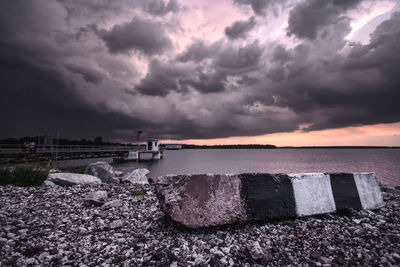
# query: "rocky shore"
47,226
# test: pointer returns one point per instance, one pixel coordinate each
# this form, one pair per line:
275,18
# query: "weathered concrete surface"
102,170
267,195
313,193
368,190
345,191
200,200
68,179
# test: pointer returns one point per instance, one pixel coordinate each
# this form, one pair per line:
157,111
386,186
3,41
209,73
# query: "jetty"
20,153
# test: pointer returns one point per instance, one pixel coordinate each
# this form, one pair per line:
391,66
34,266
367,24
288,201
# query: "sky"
283,72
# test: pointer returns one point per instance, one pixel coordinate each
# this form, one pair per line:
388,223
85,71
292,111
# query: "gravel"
51,226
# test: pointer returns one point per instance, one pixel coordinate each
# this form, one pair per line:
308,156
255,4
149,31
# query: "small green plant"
138,191
23,176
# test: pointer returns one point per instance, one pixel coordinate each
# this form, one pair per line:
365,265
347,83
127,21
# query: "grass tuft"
138,191
22,176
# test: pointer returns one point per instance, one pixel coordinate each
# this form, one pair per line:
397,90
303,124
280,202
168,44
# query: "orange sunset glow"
371,135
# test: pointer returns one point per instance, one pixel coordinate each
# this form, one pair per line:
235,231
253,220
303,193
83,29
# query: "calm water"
384,162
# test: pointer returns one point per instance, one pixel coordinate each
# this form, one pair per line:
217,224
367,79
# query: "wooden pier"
19,153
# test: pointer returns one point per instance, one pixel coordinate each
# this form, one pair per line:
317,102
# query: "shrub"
22,176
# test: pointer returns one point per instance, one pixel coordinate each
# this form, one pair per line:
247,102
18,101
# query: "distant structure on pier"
152,152
173,146
152,145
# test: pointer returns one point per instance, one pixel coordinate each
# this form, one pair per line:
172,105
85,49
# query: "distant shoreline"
185,146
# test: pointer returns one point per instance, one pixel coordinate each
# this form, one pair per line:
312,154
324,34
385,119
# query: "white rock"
226,250
48,183
116,224
259,254
223,261
67,179
137,176
118,173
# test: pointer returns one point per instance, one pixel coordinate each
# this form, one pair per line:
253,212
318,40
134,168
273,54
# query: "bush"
22,176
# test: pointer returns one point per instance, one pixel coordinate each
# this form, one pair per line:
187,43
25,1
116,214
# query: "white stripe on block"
312,193
368,190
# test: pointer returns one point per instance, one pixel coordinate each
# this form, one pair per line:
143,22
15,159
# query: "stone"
96,198
118,173
48,183
68,179
324,260
258,254
102,170
137,176
396,257
116,224
201,200
112,204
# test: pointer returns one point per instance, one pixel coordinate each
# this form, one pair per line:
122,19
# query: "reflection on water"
384,162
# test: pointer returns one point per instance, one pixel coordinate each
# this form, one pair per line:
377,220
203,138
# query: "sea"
384,162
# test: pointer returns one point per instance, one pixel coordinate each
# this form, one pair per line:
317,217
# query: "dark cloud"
161,78
240,29
260,7
161,7
208,83
98,10
57,75
88,74
142,35
199,51
239,58
34,100
347,90
308,17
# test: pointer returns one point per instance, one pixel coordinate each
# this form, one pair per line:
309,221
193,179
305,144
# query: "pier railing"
44,149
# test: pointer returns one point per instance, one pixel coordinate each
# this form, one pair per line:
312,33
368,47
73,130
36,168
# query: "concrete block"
368,190
200,200
267,195
313,193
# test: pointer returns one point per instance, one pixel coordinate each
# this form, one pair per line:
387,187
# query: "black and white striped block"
199,200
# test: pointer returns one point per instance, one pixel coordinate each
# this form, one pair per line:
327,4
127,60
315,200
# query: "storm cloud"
199,51
141,35
176,70
161,7
161,79
310,16
260,7
240,29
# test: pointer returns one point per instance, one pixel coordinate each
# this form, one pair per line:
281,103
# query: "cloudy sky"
287,72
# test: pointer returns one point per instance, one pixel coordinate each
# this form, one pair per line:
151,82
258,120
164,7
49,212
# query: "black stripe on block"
267,196
345,191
